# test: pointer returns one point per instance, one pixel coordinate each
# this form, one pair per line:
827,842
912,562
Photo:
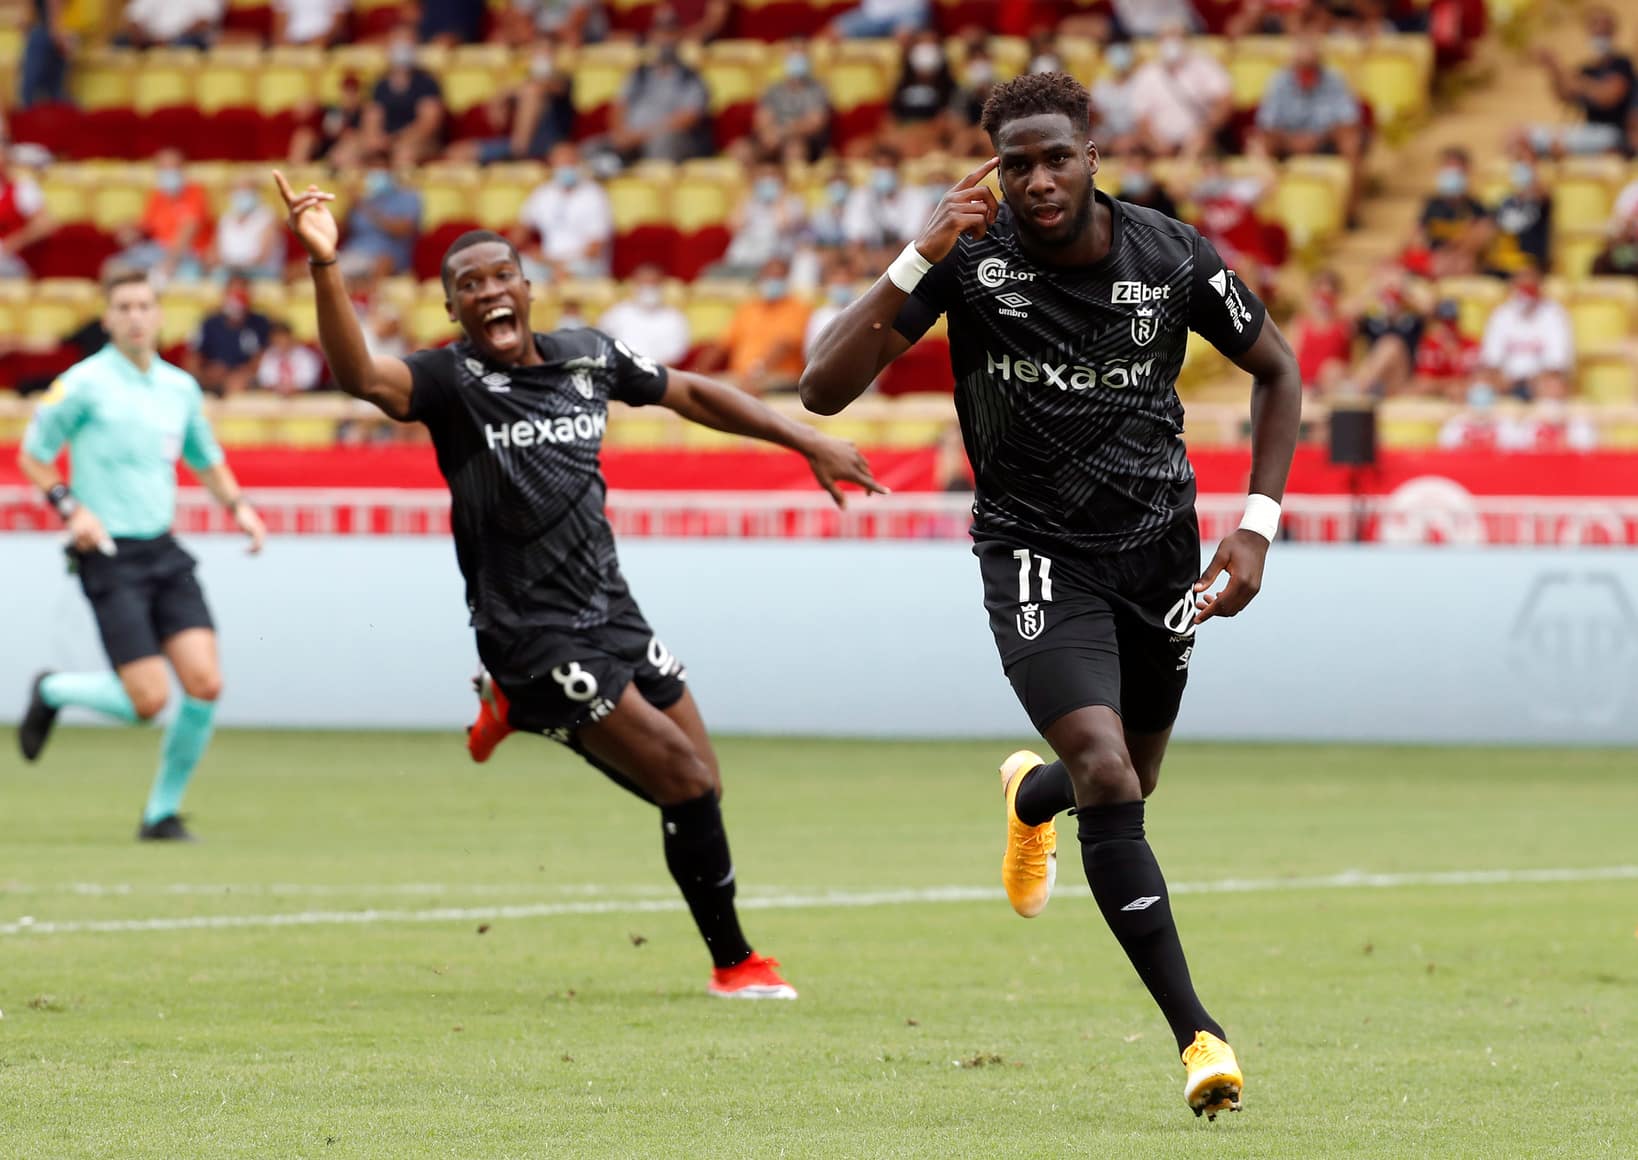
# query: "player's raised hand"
969,208
836,461
1241,555
310,219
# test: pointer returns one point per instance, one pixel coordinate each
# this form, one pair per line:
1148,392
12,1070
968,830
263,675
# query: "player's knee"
203,686
1101,771
683,775
149,702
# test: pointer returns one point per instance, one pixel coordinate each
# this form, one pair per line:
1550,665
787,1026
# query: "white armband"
908,269
1262,516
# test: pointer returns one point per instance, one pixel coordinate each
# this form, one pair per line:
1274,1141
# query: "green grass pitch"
554,1004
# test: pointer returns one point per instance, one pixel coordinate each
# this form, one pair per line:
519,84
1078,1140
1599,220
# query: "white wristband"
1262,516
908,269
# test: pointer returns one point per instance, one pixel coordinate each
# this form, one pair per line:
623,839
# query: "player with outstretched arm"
1069,315
517,420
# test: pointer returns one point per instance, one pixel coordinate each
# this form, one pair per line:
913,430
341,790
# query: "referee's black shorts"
1114,630
142,595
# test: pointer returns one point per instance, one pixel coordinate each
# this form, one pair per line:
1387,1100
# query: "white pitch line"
1348,880
327,889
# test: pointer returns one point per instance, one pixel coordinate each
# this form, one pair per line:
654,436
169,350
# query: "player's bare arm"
224,487
1276,413
715,405
85,530
861,341
385,382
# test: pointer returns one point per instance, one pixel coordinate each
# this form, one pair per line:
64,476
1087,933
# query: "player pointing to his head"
1069,316
517,420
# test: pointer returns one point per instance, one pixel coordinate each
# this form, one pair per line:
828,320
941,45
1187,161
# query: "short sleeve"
638,380
200,451
1222,309
432,383
932,296
58,416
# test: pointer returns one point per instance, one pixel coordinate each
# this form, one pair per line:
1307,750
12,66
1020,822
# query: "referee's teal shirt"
125,431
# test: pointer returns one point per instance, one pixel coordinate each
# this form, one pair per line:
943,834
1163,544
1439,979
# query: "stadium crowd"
712,189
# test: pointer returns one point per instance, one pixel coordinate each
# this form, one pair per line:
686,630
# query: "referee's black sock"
1131,892
1045,793
696,853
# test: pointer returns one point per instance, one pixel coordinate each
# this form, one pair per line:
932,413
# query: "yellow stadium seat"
51,321
597,83
1574,253
466,87
225,84
428,323
1310,203
65,200
1602,310
284,86
699,438
499,203
180,316
447,195
899,431
1476,297
1079,56
643,429
731,84
165,78
708,315
116,205
1608,380
1393,80
696,204
366,61
636,202
306,431
107,82
593,296
1255,61
854,83
1584,191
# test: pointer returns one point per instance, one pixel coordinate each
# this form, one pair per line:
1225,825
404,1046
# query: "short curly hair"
1036,93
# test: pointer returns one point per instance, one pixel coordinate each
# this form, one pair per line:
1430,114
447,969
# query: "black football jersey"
1066,377
519,447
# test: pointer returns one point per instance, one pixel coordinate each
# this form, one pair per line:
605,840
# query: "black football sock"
696,853
1131,892
1045,793
611,773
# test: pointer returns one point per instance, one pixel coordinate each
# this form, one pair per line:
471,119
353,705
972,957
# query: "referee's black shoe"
167,829
38,719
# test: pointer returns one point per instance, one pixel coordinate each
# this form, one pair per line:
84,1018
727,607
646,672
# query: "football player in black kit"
517,420
1069,314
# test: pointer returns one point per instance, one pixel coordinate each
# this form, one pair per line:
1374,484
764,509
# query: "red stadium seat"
589,123
376,22
254,22
699,249
429,249
861,122
273,134
786,19
924,367
236,134
181,127
732,123
643,244
74,250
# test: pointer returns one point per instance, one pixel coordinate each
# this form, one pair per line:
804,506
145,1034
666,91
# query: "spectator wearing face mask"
663,112
404,121
1478,426
1184,96
1117,120
1529,346
1390,332
645,323
528,121
1445,358
1226,213
838,293
1322,334
967,137
792,120
249,238
224,353
769,221
885,213
382,226
875,19
1142,19
288,367
1139,186
1523,223
334,133
1602,89
572,219
568,22
762,347
919,109
1619,257
1455,226
1307,109
24,219
173,235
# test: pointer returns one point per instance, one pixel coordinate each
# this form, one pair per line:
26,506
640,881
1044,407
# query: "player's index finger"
978,174
284,186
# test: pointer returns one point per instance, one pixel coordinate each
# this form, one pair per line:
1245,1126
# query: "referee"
126,416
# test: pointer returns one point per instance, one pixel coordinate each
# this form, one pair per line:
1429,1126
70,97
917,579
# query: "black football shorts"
142,595
560,680
1115,630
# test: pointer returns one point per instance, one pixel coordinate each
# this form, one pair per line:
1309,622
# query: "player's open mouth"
1046,215
500,327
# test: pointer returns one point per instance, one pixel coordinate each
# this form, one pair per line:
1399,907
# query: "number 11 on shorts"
1022,555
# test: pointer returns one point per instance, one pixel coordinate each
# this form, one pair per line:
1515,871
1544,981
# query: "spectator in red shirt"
1226,213
1323,335
1476,428
1445,358
23,217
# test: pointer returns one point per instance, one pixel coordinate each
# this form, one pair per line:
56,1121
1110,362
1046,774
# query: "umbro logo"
1013,304
1143,903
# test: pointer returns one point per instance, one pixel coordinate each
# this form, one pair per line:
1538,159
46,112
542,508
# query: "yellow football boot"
1214,1080
1030,865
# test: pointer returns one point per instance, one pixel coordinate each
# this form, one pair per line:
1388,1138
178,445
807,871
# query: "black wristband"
61,499
318,265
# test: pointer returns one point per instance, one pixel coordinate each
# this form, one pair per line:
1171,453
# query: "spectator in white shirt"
249,239
885,213
571,216
1141,19
1115,109
839,291
874,19
1185,97
1529,347
173,23
309,21
768,222
645,323
288,366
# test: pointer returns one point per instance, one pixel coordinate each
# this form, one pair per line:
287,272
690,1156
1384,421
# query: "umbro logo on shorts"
1143,903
